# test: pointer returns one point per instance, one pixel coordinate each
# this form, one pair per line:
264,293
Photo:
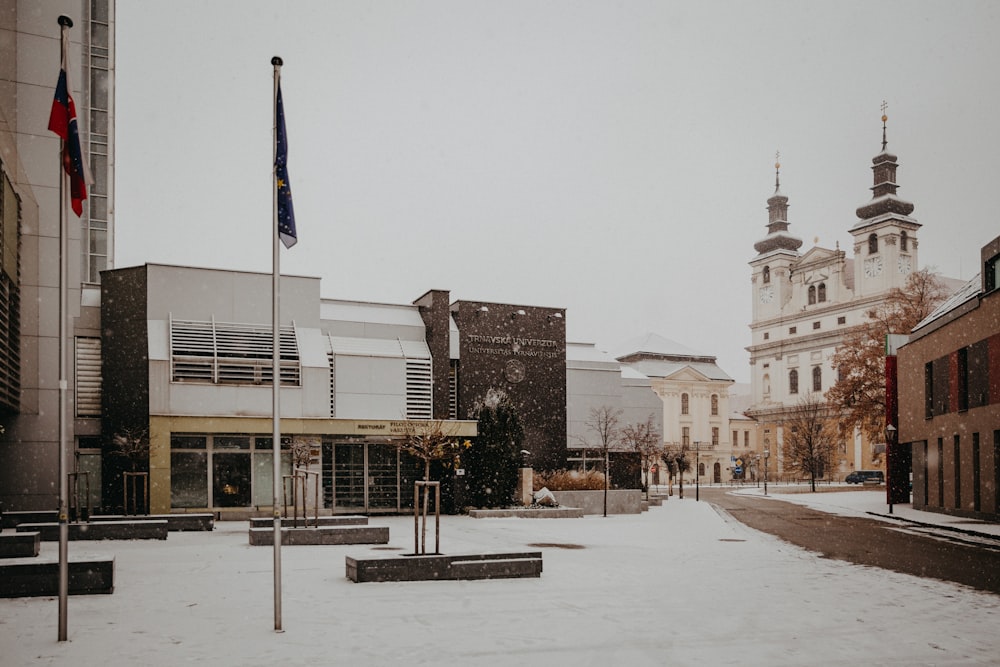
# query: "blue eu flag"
286,214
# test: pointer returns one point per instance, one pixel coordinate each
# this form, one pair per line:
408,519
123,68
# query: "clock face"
766,294
904,264
873,267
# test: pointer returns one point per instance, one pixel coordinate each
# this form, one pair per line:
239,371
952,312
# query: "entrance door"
349,477
231,479
383,481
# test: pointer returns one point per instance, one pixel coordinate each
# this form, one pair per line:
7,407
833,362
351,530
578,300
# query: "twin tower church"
804,303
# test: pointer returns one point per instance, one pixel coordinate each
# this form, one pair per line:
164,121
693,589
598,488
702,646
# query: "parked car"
865,477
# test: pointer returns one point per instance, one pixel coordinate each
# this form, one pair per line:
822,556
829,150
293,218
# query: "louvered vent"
88,377
419,403
333,387
226,353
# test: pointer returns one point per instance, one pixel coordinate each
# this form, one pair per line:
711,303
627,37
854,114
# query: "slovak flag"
62,121
286,214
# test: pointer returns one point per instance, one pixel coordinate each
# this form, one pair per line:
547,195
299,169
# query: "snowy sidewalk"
677,585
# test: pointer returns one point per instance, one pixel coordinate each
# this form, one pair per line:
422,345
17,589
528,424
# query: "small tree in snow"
603,425
644,440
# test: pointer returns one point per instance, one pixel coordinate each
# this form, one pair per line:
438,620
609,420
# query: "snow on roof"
652,343
370,313
965,293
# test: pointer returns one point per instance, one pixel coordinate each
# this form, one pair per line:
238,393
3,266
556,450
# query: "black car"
865,476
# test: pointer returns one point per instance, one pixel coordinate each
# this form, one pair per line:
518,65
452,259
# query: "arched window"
903,241
701,470
812,294
767,274
872,243
793,381
685,404
767,384
715,404
817,378
821,292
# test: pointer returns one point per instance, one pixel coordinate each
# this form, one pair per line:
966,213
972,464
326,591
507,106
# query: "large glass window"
188,479
685,404
793,381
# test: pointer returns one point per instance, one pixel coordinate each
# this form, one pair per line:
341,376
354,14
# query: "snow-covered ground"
678,585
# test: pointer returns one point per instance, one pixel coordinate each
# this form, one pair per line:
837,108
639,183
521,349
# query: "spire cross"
884,118
777,170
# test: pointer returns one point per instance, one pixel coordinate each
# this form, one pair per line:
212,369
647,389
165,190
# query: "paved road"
933,553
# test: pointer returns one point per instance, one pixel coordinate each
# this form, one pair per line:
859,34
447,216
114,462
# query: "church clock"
766,294
873,267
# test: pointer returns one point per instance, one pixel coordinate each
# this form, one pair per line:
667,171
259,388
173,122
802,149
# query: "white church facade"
804,303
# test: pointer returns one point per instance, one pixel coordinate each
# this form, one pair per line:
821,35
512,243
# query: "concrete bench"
438,567
321,535
338,520
101,530
86,577
12,519
175,522
19,545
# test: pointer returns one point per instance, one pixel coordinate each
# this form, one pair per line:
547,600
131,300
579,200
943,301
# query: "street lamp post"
767,454
890,440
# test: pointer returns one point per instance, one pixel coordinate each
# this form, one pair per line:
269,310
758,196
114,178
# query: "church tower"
771,277
885,238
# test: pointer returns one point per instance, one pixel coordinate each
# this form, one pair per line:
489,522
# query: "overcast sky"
612,158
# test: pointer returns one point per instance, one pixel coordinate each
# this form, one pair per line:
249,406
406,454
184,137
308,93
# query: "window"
815,325
872,243
715,436
821,292
793,381
928,390
766,335
990,273
224,353
766,274
904,241
88,377
817,378
812,295
841,320
963,378
746,439
715,404
685,404
686,436
736,438
10,306
792,330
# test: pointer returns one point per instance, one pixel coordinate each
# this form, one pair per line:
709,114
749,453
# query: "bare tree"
132,444
675,457
604,425
644,440
810,439
431,440
858,396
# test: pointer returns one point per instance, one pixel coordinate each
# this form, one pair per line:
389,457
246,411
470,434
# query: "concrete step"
439,567
41,578
321,535
19,545
101,530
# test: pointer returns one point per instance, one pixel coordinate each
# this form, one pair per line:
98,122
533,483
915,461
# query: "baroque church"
804,303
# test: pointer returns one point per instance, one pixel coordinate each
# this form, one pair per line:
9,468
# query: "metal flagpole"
65,24
276,356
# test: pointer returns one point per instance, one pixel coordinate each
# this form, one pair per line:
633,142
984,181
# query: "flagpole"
65,24
276,355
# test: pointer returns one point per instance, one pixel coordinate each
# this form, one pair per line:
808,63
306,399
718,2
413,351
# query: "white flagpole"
65,24
276,355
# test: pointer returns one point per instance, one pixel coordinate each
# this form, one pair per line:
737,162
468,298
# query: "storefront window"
188,479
